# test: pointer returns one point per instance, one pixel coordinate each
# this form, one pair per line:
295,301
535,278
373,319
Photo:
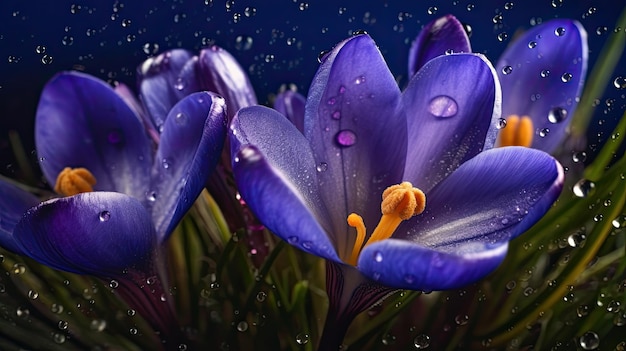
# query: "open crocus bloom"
362,136
121,194
542,75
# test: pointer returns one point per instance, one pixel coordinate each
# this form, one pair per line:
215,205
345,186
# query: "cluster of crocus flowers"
405,190
125,171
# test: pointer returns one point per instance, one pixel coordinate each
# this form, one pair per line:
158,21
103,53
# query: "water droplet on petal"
165,163
559,32
292,240
181,118
544,132
104,216
532,44
443,106
579,157
507,70
359,80
322,167
545,73
345,137
557,114
378,256
307,245
151,196
501,123
619,222
180,84
566,77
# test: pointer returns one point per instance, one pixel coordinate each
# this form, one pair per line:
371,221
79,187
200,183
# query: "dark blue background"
109,39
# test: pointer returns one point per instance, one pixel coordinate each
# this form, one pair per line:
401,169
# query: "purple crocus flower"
542,75
121,195
427,149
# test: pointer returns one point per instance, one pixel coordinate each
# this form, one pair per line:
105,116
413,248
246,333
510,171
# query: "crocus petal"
291,104
286,151
406,265
96,233
544,71
220,72
439,37
278,203
13,203
448,105
191,143
82,122
492,198
165,80
356,130
127,95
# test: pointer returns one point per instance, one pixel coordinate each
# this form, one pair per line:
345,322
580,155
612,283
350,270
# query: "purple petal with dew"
166,79
96,233
452,106
491,198
191,144
407,265
82,122
285,150
278,204
291,105
14,202
221,73
542,75
357,131
442,36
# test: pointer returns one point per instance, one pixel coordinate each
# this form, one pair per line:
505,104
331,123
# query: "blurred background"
276,41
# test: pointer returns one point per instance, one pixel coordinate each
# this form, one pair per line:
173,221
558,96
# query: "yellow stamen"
400,202
72,181
518,131
356,221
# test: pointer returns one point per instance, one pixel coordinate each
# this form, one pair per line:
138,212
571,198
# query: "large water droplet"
302,338
559,32
557,114
443,106
421,342
566,77
583,188
104,216
345,137
589,341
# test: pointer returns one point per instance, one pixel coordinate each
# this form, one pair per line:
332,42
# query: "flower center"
400,202
518,131
72,181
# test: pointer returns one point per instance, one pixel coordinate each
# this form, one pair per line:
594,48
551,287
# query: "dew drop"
302,338
583,188
46,59
443,106
165,163
461,319
557,3
557,115
566,77
322,167
292,240
58,338
151,196
576,239
243,43
503,36
619,222
62,325
345,138
18,269
181,118
56,308
378,256
421,342
532,44
359,80
580,156
507,70
98,325
559,32
104,216
336,115
501,123
544,73
620,82
589,341
40,49
544,132
261,296
33,295
242,326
